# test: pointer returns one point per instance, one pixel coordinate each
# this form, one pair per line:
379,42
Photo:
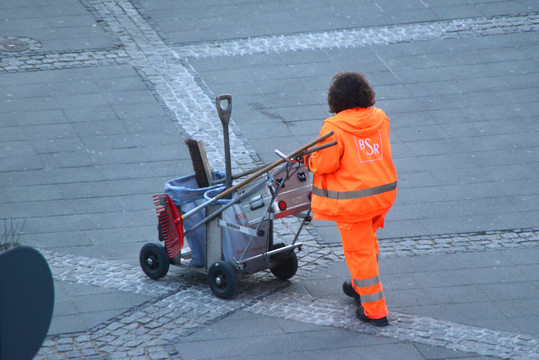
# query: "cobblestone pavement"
179,308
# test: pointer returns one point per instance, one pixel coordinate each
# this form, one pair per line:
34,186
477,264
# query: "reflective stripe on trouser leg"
359,245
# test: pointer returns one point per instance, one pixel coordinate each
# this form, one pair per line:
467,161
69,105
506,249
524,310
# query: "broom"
201,166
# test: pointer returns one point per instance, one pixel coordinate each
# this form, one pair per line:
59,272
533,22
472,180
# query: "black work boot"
360,314
348,290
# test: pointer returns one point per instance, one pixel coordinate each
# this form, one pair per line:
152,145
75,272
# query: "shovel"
224,116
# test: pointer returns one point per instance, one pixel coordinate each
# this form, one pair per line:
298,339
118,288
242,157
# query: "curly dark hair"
349,90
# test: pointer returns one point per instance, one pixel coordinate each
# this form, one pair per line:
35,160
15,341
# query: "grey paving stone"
508,291
525,324
66,324
261,344
435,352
511,308
106,301
63,307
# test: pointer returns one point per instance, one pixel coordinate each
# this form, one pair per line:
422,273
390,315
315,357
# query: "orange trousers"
360,246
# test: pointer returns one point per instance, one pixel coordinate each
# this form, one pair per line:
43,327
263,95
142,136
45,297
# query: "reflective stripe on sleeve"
372,297
355,194
367,282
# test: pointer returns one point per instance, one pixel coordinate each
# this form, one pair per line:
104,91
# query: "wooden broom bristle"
199,163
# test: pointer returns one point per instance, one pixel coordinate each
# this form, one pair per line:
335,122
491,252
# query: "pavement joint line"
105,273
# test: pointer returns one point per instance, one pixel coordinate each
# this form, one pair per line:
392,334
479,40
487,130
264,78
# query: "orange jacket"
354,180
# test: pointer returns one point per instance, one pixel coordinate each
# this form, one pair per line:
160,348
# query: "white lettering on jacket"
370,148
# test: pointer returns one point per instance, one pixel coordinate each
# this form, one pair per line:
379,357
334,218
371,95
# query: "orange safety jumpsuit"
355,184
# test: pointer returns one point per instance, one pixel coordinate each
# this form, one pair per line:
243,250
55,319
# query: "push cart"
238,232
230,228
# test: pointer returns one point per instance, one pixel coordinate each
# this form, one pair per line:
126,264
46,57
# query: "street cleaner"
355,184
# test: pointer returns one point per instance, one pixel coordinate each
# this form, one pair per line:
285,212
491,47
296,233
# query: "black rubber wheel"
154,260
223,279
284,265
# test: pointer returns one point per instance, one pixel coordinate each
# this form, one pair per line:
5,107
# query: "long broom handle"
253,170
255,175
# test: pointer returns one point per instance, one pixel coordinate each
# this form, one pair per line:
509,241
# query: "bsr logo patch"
370,148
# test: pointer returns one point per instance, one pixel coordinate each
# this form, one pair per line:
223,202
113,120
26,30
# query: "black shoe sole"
348,290
360,314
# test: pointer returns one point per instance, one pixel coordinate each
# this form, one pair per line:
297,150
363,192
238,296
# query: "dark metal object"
224,116
13,45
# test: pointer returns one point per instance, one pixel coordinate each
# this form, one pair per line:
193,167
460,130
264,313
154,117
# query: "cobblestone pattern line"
457,243
61,60
382,35
148,330
404,327
172,81
129,278
106,274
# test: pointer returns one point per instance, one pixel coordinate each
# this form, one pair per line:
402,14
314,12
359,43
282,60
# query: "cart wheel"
154,261
283,265
223,279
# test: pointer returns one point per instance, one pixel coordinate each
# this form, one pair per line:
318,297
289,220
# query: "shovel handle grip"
224,113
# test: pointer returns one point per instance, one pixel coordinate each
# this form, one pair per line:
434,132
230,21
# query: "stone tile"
63,307
510,291
66,324
526,324
106,301
436,352
515,308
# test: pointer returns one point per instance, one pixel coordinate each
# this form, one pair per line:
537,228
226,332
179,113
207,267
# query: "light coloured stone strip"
105,274
61,60
154,326
459,243
144,331
129,278
402,327
380,35
111,274
172,81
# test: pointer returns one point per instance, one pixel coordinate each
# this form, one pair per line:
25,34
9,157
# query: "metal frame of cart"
262,207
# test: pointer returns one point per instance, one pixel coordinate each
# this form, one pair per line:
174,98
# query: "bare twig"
12,232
